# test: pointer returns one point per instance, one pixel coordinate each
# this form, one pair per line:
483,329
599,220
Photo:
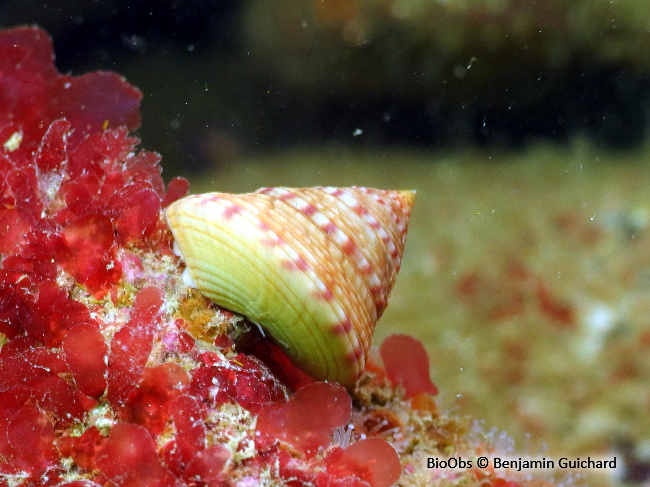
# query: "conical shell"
314,266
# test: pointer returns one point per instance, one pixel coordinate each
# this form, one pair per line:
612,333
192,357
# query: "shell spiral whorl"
313,266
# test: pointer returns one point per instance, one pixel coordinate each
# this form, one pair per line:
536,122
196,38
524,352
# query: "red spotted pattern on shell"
313,266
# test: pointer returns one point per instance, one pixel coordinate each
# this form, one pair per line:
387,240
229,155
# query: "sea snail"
313,266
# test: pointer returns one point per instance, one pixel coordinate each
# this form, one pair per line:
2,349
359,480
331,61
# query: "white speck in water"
357,132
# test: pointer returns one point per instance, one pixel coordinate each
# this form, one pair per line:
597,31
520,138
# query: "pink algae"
304,427
52,315
29,373
88,252
23,361
135,210
129,458
26,439
131,346
85,354
83,449
372,460
158,387
295,422
188,455
208,465
407,363
34,94
240,380
188,416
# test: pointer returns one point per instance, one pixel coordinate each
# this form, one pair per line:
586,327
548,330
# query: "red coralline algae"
71,192
188,416
84,240
86,356
130,459
29,373
406,363
187,455
372,460
83,449
34,94
208,465
27,441
515,294
53,314
131,346
239,380
159,386
295,422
